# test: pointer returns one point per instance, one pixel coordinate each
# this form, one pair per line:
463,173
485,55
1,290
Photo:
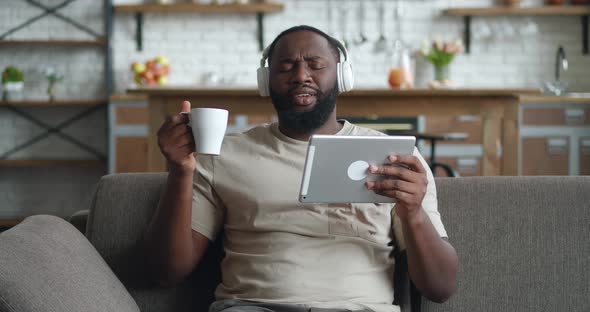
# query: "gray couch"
523,244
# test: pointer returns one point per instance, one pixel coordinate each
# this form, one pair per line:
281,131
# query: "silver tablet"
336,167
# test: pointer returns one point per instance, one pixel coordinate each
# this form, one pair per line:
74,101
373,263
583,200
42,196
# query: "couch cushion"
523,243
46,264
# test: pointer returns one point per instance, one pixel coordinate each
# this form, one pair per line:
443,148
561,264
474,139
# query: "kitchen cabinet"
554,135
467,126
556,116
128,137
497,110
545,156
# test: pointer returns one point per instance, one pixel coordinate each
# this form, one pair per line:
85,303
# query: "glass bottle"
400,69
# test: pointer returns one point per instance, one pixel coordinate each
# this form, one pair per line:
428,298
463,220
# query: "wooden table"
498,109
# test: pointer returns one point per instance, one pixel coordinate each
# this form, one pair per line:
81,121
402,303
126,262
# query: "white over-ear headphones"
343,71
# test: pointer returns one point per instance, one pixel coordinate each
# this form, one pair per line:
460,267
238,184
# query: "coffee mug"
209,126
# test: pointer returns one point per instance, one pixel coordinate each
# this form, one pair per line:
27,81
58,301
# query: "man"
281,255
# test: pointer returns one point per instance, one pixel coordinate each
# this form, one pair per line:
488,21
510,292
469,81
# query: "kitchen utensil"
361,39
344,12
381,43
330,18
399,13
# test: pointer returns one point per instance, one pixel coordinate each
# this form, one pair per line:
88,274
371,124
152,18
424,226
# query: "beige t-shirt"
280,250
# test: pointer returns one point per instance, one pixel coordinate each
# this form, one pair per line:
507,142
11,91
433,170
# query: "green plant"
12,74
441,53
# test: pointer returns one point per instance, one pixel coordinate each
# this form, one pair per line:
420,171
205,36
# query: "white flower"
425,47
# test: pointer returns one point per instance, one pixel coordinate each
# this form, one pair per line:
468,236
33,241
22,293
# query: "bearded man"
282,255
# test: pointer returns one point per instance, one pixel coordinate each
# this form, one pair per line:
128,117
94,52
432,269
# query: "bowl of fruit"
153,72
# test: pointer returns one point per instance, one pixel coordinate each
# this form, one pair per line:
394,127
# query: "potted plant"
12,83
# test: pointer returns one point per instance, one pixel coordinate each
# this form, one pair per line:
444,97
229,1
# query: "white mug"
209,126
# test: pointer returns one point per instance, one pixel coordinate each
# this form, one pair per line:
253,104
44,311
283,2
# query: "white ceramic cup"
209,126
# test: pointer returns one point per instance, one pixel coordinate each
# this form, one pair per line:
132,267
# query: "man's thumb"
185,107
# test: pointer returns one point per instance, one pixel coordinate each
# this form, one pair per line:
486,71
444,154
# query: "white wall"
226,45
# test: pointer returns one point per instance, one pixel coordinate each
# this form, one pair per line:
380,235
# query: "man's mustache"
304,88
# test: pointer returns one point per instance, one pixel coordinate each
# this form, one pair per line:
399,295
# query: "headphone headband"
337,42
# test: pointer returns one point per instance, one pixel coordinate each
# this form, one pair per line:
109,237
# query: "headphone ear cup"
262,74
345,77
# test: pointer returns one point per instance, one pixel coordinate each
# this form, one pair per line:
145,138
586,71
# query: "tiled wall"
225,46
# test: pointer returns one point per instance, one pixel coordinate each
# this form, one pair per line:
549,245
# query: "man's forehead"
302,42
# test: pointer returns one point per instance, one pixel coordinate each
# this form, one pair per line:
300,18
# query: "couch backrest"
121,210
523,243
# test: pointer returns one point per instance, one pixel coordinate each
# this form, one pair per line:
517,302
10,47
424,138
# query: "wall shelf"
266,7
63,42
88,107
520,11
51,163
467,13
255,8
54,103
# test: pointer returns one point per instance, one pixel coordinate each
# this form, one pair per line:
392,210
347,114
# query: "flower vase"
13,91
51,91
441,72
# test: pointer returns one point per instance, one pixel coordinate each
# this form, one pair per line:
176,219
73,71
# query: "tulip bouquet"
441,54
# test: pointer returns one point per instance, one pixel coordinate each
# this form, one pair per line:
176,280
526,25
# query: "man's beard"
305,122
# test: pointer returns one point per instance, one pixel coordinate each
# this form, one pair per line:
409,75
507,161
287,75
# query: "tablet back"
336,167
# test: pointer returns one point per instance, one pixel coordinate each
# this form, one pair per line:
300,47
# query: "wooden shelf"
126,97
57,42
254,8
267,7
50,163
54,103
563,10
521,11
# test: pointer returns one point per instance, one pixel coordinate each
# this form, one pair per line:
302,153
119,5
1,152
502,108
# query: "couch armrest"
48,265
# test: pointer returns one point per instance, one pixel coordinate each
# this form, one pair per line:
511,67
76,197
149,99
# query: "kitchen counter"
180,90
582,98
498,109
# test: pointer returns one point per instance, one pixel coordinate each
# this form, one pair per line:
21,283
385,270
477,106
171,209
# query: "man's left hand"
406,182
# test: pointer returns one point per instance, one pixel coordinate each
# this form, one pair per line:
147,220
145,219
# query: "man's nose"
301,75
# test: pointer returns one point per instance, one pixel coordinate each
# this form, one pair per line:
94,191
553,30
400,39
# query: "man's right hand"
176,141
